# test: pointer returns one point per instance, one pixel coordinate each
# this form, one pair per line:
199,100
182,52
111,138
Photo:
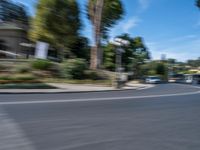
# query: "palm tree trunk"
96,52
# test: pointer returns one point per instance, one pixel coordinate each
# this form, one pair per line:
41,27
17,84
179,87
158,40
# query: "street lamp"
118,42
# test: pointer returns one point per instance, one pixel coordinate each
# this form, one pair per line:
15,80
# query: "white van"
192,78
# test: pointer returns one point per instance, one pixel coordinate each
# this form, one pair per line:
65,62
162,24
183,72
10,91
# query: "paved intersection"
164,117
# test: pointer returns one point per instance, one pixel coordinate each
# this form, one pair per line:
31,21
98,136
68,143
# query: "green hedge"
41,64
74,68
22,69
96,75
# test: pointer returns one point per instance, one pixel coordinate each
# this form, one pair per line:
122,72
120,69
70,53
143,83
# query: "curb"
65,92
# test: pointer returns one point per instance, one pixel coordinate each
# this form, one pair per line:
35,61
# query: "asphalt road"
166,117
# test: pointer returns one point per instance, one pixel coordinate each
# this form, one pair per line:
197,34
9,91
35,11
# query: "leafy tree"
194,63
171,61
56,22
79,48
160,69
109,57
12,12
74,68
135,54
198,3
155,68
103,14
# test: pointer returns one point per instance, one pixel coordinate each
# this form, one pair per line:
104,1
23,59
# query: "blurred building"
13,28
11,35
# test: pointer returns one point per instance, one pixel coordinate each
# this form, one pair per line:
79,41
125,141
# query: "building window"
3,45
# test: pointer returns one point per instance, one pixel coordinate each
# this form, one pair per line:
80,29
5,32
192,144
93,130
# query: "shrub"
41,64
4,77
74,68
22,69
55,70
2,67
23,77
95,75
28,78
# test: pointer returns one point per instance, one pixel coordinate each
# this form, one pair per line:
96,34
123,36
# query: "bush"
41,64
74,68
22,69
2,67
95,75
28,78
23,77
55,70
5,77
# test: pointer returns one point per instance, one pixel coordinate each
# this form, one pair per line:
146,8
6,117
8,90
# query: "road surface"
165,117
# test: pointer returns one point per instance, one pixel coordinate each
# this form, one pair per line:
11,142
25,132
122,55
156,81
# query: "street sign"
123,42
115,43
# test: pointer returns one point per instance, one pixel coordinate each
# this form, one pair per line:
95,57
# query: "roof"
9,53
5,26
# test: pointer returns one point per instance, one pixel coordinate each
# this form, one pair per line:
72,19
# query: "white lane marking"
148,87
189,85
97,99
12,137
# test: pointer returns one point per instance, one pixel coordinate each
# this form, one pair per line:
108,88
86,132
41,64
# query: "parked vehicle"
153,79
192,78
177,78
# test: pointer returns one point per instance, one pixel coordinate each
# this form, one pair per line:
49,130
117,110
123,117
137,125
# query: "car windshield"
154,78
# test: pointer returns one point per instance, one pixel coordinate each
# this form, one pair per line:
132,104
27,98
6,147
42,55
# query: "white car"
153,79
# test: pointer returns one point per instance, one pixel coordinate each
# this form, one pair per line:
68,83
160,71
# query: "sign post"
118,42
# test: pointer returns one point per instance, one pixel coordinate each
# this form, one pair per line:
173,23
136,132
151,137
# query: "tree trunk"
93,59
96,53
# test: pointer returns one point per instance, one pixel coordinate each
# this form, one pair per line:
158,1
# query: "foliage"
95,75
77,81
2,67
194,63
112,11
135,54
160,69
109,57
13,12
155,68
171,61
103,14
42,64
56,22
198,3
25,78
74,68
78,48
189,72
26,86
22,69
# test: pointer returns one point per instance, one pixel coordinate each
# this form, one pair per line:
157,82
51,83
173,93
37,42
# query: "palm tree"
103,14
198,3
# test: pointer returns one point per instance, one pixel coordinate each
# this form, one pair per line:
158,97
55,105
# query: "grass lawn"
98,82
26,86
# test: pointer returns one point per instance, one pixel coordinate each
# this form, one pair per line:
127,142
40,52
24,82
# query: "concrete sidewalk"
75,88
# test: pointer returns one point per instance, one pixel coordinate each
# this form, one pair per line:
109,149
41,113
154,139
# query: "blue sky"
170,27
